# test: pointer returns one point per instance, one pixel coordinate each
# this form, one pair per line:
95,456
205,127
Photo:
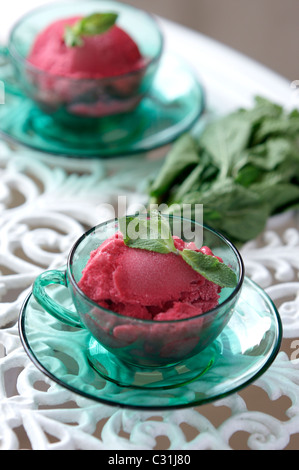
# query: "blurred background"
265,30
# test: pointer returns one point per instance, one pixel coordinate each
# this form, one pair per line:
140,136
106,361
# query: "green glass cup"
135,342
73,101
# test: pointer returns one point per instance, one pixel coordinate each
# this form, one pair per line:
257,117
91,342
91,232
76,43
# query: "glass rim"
145,321
18,58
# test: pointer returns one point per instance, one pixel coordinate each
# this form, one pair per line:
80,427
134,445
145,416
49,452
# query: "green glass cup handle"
7,75
58,311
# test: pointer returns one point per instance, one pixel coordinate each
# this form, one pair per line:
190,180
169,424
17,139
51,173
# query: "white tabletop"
41,198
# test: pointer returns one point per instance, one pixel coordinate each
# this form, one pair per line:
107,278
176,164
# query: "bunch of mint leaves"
243,168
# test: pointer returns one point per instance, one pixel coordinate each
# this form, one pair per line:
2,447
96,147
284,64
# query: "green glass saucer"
69,356
174,104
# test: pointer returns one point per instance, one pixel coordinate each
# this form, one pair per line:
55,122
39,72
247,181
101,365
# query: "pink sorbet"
145,284
108,54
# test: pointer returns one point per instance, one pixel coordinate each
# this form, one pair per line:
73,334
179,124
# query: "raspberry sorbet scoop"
147,284
108,54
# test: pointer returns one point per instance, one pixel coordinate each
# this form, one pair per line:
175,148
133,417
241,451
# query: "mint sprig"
210,268
152,232
96,23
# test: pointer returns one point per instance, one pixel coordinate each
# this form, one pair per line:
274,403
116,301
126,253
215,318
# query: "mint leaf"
91,25
224,140
210,268
148,232
175,165
97,23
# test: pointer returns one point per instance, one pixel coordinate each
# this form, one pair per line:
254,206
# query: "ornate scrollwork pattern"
44,207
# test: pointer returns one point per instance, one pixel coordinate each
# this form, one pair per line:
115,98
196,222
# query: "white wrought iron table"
45,204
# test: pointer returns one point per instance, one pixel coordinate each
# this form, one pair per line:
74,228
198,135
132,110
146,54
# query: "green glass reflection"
173,104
